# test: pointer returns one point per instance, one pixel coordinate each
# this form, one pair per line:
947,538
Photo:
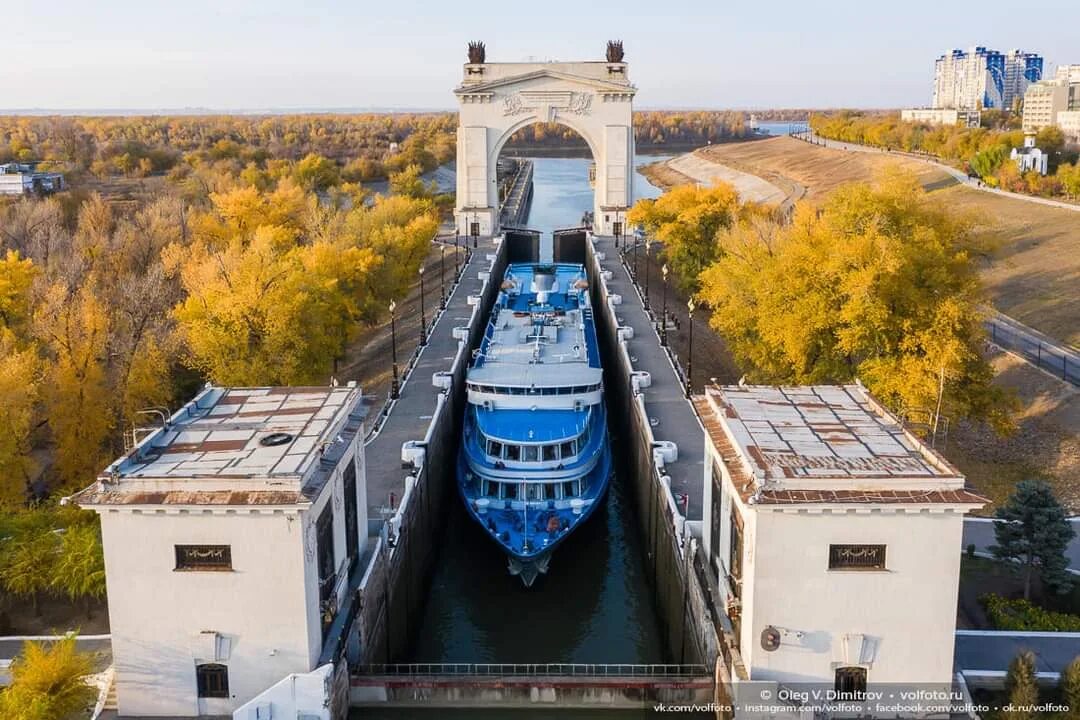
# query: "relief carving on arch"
546,101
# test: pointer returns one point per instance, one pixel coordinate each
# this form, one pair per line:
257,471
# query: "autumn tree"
879,284
26,564
79,569
1070,179
316,173
266,301
1032,533
49,682
410,183
686,219
19,378
74,328
19,394
1021,687
1069,689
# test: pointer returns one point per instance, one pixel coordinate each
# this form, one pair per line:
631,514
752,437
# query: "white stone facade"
495,100
830,525
229,539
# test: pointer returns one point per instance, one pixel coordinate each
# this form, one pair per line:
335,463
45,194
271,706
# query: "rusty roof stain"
803,497
214,450
823,444
92,496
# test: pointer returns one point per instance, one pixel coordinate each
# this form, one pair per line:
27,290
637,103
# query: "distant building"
1042,103
230,534
942,116
24,179
983,78
1030,157
826,523
1068,73
1069,122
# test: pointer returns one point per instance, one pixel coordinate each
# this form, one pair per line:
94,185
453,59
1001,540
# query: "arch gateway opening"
495,100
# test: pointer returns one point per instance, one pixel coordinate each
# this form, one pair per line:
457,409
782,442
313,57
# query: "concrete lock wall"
394,587
682,600
560,692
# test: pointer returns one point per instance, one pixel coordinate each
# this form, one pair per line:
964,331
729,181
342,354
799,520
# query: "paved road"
979,650
958,174
10,648
980,531
665,399
1055,357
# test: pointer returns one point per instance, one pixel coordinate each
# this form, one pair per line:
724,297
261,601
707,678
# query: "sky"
407,54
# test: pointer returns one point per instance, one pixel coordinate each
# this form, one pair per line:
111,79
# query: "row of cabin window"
534,491
504,390
537,453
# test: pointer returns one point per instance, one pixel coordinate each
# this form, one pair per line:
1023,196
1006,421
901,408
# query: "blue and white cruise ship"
535,460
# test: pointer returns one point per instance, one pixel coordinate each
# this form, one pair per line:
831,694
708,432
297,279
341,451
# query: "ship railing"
537,670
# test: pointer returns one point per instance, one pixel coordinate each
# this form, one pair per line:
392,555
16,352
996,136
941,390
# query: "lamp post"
475,229
442,276
457,258
394,385
423,319
648,246
690,347
663,312
635,258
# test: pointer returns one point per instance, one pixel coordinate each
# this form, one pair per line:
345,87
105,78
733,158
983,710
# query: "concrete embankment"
694,167
662,443
412,455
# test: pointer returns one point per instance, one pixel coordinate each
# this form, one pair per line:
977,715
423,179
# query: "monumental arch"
497,99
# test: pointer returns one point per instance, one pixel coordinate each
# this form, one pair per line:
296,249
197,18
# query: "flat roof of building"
823,443
237,446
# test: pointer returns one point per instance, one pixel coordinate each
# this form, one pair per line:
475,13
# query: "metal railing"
1056,360
536,670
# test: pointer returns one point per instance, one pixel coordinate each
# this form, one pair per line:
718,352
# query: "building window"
717,515
856,557
212,680
324,542
352,541
850,682
735,553
203,557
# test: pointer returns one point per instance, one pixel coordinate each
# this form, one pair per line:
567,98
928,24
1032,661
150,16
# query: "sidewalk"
972,183
980,532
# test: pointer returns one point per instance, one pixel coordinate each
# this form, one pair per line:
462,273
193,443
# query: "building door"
850,682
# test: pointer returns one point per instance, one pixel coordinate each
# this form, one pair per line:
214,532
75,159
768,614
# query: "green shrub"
1022,614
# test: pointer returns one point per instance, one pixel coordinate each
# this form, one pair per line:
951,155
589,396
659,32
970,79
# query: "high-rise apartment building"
984,78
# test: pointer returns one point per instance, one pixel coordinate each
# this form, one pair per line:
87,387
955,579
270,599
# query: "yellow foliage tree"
74,327
686,220
19,389
16,276
48,682
880,285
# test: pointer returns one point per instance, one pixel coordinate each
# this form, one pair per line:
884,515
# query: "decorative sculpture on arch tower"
495,100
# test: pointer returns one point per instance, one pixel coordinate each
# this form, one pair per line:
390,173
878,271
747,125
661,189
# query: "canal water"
594,605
